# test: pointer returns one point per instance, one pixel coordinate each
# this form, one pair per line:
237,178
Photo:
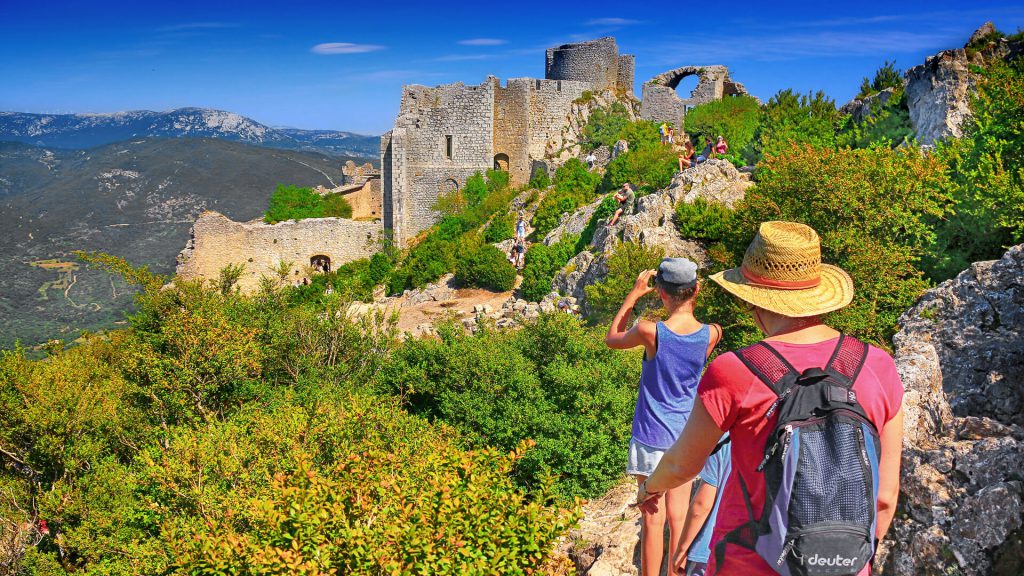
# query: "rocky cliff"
959,352
938,91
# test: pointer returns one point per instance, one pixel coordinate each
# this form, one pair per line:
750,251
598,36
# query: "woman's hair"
678,292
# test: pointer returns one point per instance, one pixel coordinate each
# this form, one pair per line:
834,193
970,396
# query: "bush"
542,263
605,126
887,125
790,118
574,186
502,227
604,298
553,381
475,189
887,76
847,196
736,118
648,169
497,180
485,266
293,203
604,210
540,180
703,220
987,172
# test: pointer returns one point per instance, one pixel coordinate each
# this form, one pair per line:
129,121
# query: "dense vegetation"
294,203
736,118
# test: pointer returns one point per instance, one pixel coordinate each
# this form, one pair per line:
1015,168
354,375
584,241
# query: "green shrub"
540,180
604,210
641,135
475,189
736,118
790,118
574,187
542,263
605,126
848,197
648,169
703,220
293,203
624,264
502,227
887,76
336,206
987,172
484,266
497,180
553,381
887,125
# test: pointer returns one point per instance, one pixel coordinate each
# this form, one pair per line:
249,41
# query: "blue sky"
340,65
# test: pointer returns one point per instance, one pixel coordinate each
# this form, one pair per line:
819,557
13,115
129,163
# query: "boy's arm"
643,333
697,515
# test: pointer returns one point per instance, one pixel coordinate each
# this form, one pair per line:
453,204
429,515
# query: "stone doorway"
320,264
501,162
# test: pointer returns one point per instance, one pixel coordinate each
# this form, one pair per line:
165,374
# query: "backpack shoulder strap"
768,365
849,358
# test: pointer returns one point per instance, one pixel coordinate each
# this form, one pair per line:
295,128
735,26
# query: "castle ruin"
443,135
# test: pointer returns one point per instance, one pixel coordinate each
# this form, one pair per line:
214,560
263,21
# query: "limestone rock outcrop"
651,224
862,108
960,353
938,91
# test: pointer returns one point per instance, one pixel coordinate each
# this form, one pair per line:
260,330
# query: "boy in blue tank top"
675,351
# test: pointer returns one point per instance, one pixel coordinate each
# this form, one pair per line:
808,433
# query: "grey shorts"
695,568
642,458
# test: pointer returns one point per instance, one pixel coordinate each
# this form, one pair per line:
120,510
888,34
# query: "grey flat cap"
680,271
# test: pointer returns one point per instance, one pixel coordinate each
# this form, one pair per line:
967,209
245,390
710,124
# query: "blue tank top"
668,385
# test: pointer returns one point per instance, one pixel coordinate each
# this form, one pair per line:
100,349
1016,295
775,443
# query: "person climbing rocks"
625,197
686,158
787,289
675,351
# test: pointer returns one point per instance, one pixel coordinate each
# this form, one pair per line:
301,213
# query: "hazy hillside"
133,199
89,130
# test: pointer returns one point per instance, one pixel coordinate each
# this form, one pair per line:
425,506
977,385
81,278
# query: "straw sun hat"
782,272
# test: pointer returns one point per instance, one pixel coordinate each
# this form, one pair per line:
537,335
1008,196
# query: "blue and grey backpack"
820,468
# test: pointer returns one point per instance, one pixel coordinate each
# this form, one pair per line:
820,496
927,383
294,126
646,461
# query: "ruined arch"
448,186
501,162
662,104
320,263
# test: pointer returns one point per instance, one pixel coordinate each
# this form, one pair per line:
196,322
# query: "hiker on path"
675,351
521,229
841,401
591,160
625,197
663,132
691,558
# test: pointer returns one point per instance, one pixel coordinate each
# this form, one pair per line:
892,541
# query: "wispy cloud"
402,74
611,22
482,42
344,48
462,57
809,45
190,26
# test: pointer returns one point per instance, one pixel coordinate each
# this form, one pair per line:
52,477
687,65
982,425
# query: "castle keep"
444,135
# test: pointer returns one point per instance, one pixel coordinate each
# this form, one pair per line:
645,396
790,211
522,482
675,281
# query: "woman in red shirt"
787,289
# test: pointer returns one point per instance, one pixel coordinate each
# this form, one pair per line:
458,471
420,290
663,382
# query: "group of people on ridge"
796,439
687,152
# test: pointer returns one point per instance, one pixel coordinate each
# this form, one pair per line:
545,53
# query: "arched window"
501,162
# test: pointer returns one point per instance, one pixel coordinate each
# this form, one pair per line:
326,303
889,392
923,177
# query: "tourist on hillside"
707,153
686,158
721,146
671,136
663,132
625,197
849,393
591,160
674,354
519,253
521,229
691,558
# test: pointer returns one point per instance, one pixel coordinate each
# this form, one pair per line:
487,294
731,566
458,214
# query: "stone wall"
218,241
661,103
512,127
420,169
595,62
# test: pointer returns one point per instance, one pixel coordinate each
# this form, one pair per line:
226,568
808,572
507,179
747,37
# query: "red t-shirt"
737,401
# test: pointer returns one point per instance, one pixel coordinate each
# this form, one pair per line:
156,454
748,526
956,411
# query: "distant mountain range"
77,131
136,199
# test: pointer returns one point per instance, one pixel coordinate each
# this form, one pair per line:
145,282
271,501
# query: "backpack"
820,468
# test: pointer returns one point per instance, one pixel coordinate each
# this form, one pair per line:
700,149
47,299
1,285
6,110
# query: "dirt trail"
463,300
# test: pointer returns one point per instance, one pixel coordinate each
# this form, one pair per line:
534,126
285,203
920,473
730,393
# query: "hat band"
757,280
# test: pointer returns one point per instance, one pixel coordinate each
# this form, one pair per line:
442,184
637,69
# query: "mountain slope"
133,199
90,130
